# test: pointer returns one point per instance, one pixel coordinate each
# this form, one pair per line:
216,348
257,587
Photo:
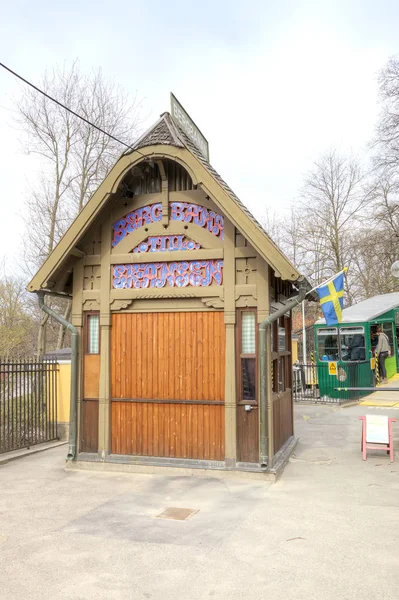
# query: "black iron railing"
28,402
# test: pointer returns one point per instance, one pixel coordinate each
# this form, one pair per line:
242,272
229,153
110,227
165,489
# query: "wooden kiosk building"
170,277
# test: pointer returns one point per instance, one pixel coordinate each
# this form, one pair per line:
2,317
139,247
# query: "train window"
327,343
352,342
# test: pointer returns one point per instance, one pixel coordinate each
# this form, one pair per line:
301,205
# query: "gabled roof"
165,139
369,309
165,132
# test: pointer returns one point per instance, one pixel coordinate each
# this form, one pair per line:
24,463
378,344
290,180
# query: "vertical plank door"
168,384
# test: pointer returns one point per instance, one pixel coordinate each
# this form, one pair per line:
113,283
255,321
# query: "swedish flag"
332,299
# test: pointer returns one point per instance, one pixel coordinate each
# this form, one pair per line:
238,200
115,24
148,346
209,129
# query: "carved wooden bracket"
213,301
91,304
120,304
246,301
245,290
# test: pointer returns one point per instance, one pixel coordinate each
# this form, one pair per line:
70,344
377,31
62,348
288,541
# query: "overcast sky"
272,85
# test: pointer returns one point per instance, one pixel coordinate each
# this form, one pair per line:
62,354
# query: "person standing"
382,350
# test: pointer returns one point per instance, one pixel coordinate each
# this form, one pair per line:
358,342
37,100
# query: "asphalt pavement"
328,529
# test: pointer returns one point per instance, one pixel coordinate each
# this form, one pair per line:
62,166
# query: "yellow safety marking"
332,368
376,403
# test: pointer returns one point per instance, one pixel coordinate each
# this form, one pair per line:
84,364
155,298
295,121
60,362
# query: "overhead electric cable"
67,108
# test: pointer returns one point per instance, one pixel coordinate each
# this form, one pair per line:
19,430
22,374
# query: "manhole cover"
178,514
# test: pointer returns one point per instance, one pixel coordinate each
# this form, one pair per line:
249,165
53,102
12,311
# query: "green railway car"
345,353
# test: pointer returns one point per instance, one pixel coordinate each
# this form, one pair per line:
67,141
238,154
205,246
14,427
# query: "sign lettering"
196,273
179,211
166,243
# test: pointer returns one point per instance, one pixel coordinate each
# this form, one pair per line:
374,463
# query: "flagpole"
327,280
303,332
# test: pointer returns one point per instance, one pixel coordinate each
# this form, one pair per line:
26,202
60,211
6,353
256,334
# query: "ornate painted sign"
166,243
179,211
198,215
135,219
196,273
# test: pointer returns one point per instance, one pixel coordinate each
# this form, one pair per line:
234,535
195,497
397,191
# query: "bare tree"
333,203
75,156
272,222
284,229
386,138
16,322
375,246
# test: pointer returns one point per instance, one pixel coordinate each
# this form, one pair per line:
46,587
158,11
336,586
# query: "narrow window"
248,355
93,334
281,354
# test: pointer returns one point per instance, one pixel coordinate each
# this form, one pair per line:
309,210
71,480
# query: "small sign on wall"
332,368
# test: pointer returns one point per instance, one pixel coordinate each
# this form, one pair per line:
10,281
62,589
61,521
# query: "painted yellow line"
387,405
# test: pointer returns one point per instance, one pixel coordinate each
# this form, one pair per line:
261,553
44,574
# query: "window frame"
321,333
93,313
361,331
281,358
240,356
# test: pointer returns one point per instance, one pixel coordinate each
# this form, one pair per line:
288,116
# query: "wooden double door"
168,381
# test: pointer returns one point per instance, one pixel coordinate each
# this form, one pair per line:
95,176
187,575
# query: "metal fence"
314,383
28,402
309,342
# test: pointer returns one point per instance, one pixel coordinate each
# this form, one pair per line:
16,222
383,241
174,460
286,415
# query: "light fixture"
395,269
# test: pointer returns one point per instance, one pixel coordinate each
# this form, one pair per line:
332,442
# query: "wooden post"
165,193
263,292
77,320
104,408
230,410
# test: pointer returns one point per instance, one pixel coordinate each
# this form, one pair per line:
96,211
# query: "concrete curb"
283,456
110,467
24,452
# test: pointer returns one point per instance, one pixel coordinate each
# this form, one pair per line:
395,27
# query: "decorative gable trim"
201,173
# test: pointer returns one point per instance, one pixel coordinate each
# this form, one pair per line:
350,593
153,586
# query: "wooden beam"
165,193
76,252
167,292
245,252
176,255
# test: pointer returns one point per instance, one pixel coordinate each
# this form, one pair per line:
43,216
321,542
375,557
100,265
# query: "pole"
344,270
74,370
303,332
